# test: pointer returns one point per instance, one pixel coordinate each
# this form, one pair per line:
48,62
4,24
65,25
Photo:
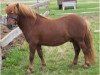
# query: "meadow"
59,59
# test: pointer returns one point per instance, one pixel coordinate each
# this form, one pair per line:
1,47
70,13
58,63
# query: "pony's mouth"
11,24
11,27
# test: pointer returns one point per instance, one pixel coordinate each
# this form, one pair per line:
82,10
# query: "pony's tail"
89,43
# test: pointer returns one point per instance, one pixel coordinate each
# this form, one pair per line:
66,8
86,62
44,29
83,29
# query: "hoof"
29,70
43,68
86,66
74,63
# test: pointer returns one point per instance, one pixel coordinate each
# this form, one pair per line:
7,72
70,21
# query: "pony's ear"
17,5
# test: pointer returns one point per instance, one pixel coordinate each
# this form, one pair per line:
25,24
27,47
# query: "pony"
43,31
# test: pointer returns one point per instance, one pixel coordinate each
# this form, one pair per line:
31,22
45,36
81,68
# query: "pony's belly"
54,42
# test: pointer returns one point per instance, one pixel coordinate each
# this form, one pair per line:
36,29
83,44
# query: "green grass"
59,58
2,8
80,8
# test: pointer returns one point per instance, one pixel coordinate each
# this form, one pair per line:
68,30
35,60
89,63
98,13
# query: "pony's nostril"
10,27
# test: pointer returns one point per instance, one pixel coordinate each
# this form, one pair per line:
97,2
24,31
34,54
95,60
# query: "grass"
80,8
58,58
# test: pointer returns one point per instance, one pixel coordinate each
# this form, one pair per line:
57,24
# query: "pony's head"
15,11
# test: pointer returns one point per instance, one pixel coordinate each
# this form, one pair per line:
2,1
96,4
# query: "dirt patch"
17,41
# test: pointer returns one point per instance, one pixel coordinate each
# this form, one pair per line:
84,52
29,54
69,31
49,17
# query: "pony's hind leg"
86,53
31,57
77,51
40,53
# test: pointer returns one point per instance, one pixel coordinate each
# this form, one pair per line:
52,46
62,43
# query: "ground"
17,41
58,58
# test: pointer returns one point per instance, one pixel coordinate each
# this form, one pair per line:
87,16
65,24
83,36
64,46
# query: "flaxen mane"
20,8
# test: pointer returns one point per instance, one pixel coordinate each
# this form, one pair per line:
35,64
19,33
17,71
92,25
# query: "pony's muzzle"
11,23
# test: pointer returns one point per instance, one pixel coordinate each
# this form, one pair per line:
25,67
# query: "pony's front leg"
40,53
31,57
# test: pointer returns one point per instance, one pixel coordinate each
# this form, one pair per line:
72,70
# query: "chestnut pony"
39,30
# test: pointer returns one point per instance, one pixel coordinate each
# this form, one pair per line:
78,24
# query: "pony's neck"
26,22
